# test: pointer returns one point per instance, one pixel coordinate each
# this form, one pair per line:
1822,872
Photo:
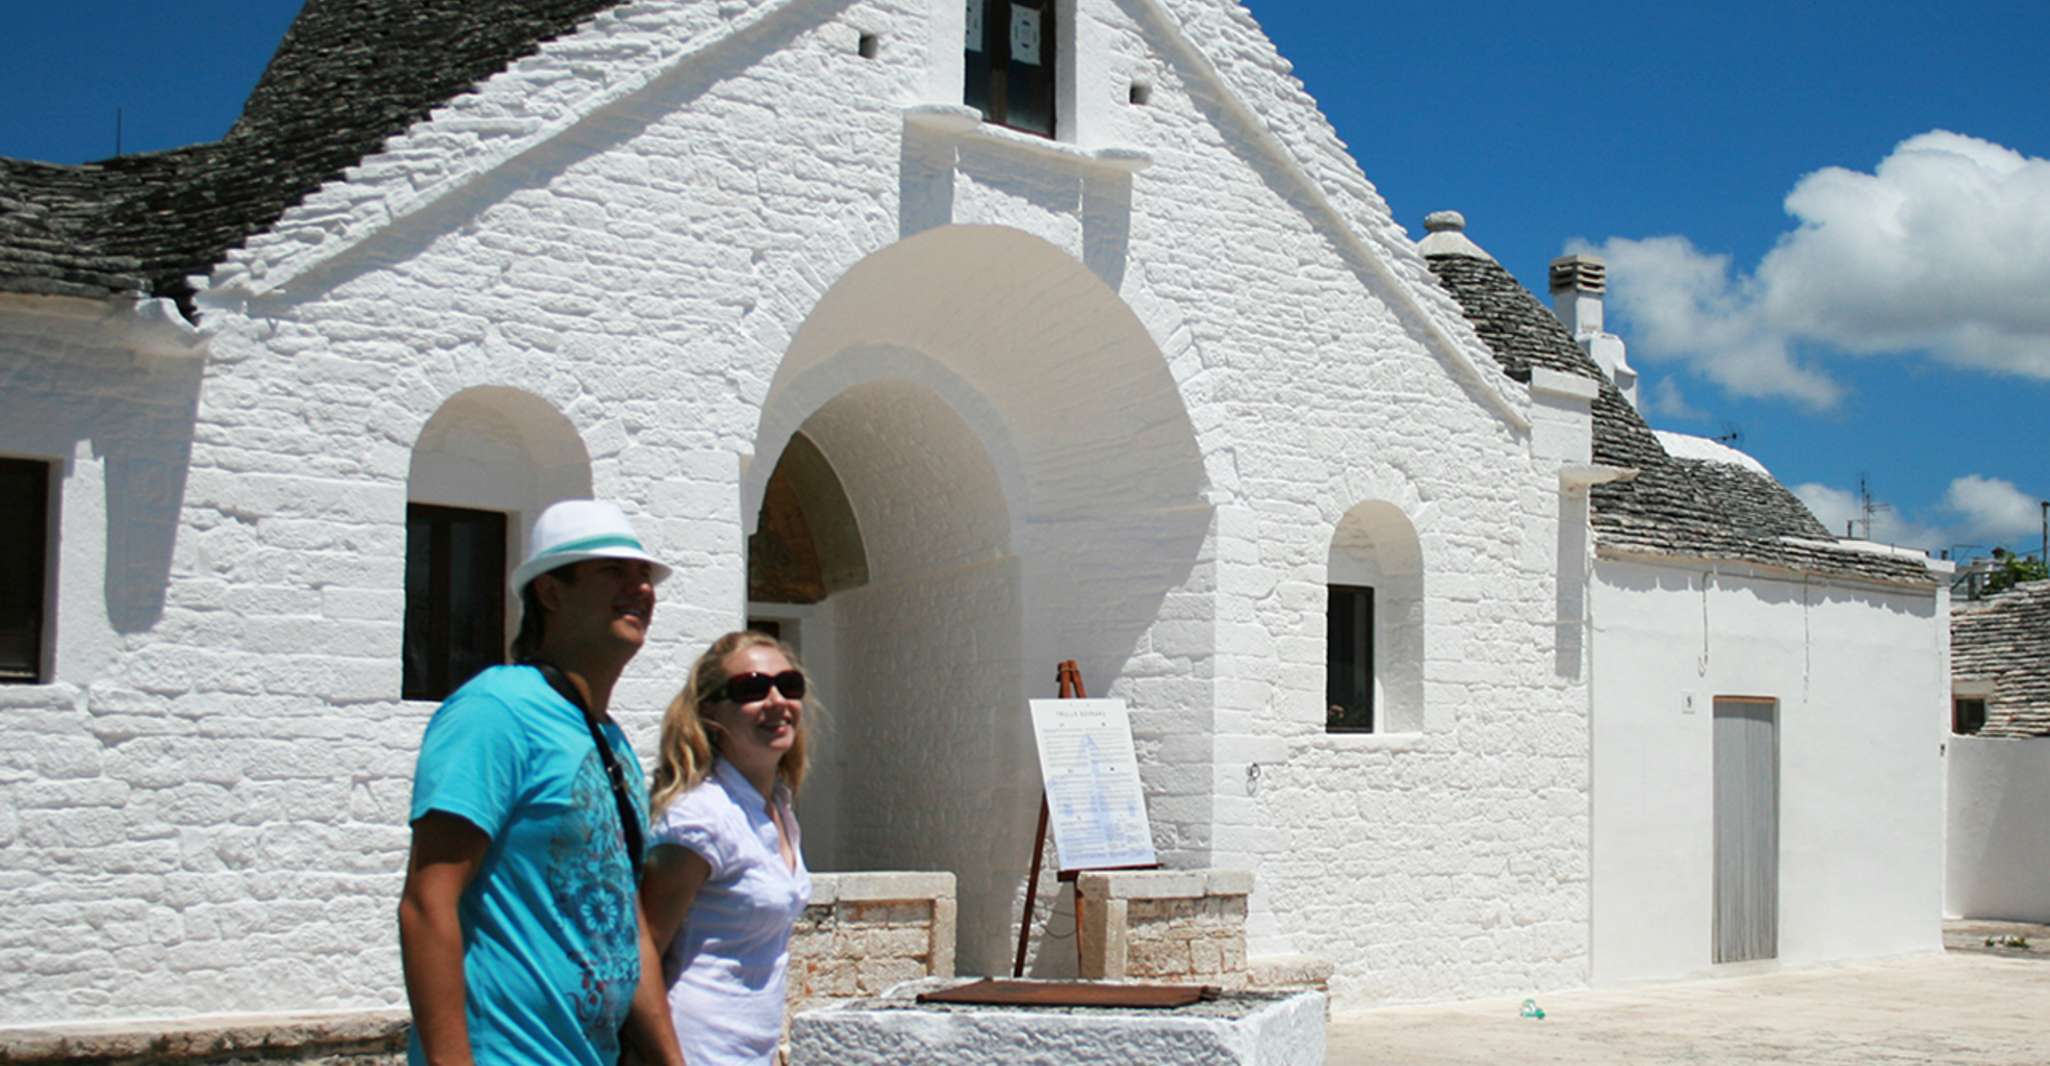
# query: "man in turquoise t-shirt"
520,925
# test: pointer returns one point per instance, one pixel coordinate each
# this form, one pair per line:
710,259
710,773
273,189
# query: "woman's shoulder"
706,820
704,803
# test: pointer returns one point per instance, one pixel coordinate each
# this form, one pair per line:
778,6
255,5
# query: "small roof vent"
1579,273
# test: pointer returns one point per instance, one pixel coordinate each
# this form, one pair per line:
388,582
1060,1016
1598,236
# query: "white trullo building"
956,343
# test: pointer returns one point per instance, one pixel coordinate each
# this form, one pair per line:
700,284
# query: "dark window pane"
978,71
455,597
24,552
1009,63
1028,72
1349,660
1967,715
419,550
476,595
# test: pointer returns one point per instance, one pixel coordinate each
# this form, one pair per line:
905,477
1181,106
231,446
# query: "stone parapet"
865,932
1173,925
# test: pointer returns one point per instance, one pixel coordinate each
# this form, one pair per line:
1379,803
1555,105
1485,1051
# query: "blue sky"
1891,319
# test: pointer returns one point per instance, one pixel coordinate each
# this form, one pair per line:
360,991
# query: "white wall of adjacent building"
1997,850
1857,673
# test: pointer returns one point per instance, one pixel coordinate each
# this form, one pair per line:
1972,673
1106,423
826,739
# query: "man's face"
603,601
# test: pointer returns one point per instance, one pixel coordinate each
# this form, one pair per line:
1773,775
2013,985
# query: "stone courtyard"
1970,1004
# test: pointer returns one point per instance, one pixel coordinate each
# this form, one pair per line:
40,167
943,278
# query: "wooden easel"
1070,676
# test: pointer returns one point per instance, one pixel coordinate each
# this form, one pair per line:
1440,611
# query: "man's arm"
446,854
671,882
648,1025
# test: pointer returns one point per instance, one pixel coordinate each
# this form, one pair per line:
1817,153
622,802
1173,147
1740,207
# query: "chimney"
1577,284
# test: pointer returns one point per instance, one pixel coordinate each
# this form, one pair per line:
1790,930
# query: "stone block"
1229,883
1289,971
1140,884
1238,1029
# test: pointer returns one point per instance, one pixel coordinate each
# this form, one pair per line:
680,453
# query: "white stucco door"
1746,829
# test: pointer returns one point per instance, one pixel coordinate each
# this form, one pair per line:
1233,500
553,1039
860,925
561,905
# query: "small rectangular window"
1349,660
24,568
1967,715
1010,62
455,597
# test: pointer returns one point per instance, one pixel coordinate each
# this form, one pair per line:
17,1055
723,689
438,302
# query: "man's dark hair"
533,617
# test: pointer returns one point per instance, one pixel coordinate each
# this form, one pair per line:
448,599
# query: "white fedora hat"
572,531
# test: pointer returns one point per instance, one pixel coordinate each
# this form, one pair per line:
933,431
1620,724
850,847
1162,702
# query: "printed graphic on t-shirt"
591,881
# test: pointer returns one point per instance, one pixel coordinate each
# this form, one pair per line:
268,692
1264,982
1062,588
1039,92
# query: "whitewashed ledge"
354,1038
1238,1029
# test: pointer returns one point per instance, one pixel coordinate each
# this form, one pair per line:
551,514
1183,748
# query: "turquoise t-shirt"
551,951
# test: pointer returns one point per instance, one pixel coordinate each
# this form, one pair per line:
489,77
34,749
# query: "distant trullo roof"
1708,506
2004,641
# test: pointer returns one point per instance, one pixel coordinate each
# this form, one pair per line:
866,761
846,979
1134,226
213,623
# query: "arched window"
487,462
1374,623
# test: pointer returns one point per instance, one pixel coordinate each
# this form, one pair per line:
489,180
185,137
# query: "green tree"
2013,570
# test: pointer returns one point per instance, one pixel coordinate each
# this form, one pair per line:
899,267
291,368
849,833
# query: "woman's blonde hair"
688,747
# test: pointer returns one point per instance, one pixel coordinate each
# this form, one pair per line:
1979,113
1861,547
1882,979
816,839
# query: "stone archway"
1024,485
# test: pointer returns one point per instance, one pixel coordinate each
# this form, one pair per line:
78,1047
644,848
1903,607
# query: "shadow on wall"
1769,590
145,493
138,417
1569,643
930,162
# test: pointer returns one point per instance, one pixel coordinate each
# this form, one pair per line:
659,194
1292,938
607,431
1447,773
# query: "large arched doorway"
974,462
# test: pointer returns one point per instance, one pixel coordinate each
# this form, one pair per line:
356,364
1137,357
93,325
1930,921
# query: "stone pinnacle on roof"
1448,236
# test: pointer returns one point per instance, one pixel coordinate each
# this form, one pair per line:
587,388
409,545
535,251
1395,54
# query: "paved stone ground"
1971,1006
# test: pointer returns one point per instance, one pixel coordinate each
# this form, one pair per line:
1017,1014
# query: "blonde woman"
726,880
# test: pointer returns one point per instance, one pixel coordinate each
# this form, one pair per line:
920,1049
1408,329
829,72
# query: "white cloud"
1943,248
1996,510
1978,511
1683,304
1839,508
1667,399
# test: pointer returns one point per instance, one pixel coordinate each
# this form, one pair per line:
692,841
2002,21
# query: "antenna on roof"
1867,506
117,133
1732,433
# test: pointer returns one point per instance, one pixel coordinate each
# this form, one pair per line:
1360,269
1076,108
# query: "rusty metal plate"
998,993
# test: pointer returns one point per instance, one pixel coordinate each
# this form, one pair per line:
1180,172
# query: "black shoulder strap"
629,820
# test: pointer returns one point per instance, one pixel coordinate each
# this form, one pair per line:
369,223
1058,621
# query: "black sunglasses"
747,688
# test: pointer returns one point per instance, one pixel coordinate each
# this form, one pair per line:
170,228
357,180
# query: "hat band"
608,540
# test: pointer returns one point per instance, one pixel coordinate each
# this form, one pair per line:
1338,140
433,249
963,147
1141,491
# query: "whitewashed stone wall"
1859,676
1997,843
694,228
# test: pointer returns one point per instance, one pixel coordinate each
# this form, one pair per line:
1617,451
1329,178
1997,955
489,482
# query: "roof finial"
1448,236
1445,221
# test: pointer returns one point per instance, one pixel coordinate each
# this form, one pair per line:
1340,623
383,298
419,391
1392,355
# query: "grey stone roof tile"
2005,640
1680,508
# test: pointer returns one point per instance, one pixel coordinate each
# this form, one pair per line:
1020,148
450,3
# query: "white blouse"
726,968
